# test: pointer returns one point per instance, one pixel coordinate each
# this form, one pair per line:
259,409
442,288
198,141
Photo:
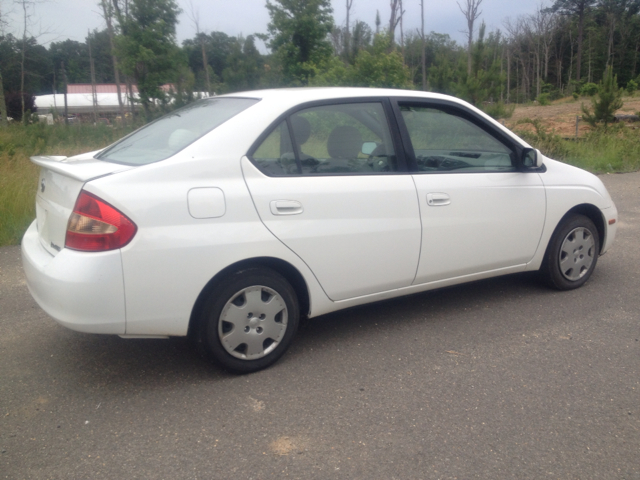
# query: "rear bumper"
81,291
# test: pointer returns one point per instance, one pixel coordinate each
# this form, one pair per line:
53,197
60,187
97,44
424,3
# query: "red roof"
107,88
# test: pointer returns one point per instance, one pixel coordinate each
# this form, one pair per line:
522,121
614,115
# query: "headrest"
344,142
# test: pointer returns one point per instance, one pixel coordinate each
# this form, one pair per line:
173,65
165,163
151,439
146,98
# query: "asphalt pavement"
499,379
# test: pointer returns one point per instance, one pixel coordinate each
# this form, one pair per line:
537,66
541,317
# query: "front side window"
445,142
168,135
349,138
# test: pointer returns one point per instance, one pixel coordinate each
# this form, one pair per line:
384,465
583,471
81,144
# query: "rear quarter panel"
174,255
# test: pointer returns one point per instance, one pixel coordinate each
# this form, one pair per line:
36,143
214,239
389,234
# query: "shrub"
499,110
549,144
13,100
608,101
589,89
543,99
632,86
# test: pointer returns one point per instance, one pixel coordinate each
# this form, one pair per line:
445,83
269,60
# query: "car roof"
310,94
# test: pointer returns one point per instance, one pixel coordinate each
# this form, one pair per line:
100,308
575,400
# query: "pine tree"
606,103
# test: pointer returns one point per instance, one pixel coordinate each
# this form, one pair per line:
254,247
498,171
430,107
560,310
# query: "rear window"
168,135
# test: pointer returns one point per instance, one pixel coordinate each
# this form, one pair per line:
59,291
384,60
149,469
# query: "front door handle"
286,207
438,199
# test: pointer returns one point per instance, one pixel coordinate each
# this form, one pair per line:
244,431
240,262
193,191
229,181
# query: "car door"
480,212
327,182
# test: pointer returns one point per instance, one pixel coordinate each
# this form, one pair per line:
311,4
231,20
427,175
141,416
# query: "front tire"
572,253
249,320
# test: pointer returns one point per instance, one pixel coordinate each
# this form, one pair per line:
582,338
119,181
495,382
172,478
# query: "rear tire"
572,253
249,320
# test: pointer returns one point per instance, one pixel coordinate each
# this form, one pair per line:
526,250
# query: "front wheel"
572,253
249,320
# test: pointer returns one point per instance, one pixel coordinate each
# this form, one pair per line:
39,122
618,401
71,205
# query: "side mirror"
531,158
369,147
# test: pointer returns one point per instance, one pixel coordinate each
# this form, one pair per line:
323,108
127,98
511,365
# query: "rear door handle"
438,199
286,207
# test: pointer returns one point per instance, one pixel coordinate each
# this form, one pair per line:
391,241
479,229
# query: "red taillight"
95,226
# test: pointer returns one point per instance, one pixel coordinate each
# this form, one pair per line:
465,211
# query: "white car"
229,219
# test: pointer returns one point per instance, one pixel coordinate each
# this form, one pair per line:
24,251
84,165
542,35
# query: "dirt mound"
560,116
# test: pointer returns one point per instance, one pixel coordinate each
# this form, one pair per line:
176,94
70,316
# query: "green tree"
579,9
298,36
34,74
218,48
379,67
101,51
75,56
485,81
382,67
361,38
146,46
606,103
245,66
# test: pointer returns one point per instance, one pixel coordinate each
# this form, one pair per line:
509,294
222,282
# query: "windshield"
168,135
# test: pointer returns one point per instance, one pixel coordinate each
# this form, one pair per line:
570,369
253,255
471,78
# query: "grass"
614,150
18,176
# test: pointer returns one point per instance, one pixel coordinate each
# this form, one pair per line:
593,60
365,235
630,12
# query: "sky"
62,19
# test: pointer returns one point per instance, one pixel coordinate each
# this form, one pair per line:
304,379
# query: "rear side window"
345,139
168,135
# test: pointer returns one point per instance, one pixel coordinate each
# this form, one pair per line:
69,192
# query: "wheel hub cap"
253,322
577,254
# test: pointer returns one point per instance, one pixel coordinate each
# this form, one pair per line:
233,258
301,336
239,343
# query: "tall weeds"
18,176
616,149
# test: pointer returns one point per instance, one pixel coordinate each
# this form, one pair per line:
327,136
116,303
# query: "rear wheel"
249,320
572,253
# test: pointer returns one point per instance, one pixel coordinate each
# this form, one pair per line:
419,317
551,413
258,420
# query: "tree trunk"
471,14
635,58
393,20
114,58
205,63
610,47
581,13
589,72
3,105
517,77
538,74
130,90
570,59
24,47
508,75
92,69
66,105
469,47
424,47
402,30
347,33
